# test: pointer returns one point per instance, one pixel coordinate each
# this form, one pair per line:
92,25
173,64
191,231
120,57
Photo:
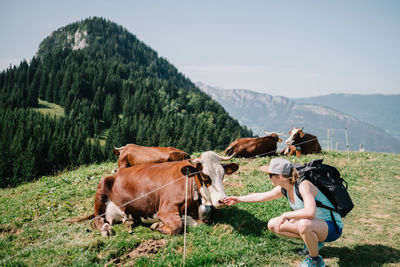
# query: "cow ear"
290,132
230,167
198,163
301,134
188,169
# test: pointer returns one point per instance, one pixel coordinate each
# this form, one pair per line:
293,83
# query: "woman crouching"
308,222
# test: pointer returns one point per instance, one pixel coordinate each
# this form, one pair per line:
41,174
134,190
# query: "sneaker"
310,262
304,251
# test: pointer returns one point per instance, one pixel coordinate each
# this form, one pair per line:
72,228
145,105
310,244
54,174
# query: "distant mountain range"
262,112
379,110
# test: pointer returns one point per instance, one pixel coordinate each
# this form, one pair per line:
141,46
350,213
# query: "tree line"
33,145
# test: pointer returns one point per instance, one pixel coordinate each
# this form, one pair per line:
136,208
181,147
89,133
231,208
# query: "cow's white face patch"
290,140
213,168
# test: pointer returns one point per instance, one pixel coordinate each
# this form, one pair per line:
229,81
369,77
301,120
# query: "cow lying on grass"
155,193
251,147
300,142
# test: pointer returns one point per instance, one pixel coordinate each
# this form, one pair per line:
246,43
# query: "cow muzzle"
219,204
289,142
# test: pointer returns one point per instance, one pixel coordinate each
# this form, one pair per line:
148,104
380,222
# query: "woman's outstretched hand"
229,201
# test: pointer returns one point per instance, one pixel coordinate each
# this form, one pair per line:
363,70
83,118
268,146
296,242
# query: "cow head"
212,173
117,150
275,134
295,135
231,148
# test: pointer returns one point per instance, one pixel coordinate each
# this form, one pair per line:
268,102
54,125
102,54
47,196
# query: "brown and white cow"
155,193
131,155
300,142
250,147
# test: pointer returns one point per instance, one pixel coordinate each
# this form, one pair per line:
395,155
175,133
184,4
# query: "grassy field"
48,108
32,231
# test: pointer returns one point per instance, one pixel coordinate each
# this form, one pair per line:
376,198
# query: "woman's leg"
288,228
311,231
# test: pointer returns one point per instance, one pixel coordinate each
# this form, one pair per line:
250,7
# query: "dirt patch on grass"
9,230
145,248
222,229
372,223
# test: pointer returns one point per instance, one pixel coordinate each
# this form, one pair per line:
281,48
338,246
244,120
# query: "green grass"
48,108
52,109
32,231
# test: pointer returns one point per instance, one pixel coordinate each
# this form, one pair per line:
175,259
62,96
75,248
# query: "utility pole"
347,144
328,141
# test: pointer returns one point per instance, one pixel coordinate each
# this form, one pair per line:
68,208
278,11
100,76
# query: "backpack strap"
284,192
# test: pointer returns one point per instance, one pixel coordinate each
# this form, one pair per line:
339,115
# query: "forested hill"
113,85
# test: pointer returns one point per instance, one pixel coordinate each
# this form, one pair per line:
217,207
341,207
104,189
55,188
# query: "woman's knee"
271,224
304,225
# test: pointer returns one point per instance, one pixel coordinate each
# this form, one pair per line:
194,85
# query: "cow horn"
269,133
118,148
227,158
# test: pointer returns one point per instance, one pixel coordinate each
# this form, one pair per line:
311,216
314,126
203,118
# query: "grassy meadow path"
32,231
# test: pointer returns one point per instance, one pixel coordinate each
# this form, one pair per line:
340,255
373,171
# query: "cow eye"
206,179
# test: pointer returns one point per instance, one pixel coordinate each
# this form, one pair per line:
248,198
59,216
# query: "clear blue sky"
288,48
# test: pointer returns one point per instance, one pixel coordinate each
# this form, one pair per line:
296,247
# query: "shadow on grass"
242,221
363,255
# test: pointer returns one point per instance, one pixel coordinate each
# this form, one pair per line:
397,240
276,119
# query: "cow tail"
75,220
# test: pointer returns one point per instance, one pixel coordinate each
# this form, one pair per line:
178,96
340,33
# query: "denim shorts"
332,232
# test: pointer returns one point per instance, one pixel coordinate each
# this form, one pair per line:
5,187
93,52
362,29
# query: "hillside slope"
35,234
275,113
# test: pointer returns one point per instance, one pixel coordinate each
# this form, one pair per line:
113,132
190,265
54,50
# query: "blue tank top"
321,213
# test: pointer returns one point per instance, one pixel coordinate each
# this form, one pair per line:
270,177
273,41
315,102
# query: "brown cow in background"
131,155
300,142
251,147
